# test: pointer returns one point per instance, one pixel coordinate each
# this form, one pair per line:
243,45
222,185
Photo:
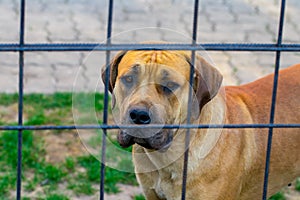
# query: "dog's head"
152,87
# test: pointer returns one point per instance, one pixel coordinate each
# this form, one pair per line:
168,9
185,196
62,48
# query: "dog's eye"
127,79
172,85
169,87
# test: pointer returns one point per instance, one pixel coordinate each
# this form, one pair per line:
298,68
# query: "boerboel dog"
152,87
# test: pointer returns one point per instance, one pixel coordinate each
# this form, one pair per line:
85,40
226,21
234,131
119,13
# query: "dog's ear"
113,66
207,81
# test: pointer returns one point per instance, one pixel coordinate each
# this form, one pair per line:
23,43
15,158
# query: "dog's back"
285,155
257,96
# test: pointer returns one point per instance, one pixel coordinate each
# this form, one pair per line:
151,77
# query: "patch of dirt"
9,113
127,193
290,193
59,146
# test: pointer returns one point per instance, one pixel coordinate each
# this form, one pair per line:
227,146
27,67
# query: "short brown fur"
233,169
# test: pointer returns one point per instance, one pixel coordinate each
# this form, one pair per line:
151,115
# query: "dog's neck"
212,113
202,139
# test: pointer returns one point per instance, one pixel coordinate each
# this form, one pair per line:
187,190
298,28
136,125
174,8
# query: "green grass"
57,100
81,187
297,186
7,182
70,164
56,197
139,197
112,176
80,173
42,109
8,99
51,173
278,196
32,160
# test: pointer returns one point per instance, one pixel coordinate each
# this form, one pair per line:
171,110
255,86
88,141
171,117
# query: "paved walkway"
135,21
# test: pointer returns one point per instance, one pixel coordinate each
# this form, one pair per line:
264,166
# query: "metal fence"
22,47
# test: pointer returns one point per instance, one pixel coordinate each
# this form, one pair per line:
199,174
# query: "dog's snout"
140,116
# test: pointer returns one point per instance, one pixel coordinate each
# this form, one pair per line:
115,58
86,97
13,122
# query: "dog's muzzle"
160,141
150,138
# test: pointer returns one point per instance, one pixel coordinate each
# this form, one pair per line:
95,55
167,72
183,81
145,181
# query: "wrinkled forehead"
173,60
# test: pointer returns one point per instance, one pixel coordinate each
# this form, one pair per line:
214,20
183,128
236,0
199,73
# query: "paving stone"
219,16
134,6
35,36
203,25
64,77
221,62
138,21
265,60
95,85
291,34
268,8
38,79
9,83
291,28
175,36
169,24
205,37
241,7
35,29
79,84
9,59
294,2
64,58
36,59
89,27
289,58
224,34
93,63
61,30
245,66
9,79
9,26
260,36
139,35
86,21
7,13
292,11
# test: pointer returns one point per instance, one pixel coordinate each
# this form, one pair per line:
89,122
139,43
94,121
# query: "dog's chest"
165,186
159,190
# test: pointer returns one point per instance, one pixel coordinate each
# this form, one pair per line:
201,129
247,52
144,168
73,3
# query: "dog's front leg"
146,176
146,180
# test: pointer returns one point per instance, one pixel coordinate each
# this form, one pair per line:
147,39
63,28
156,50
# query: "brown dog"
151,87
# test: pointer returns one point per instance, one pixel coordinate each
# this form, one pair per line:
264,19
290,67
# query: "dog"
152,87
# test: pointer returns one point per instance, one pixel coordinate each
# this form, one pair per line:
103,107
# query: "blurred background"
70,21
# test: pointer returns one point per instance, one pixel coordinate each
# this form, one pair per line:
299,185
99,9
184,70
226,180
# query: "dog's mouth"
160,141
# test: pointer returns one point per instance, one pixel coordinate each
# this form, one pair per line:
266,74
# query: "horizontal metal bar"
154,126
119,47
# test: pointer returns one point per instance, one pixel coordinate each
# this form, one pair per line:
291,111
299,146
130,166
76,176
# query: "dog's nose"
140,116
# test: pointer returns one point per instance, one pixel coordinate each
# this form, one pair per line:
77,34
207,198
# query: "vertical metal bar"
20,101
105,110
273,104
192,70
